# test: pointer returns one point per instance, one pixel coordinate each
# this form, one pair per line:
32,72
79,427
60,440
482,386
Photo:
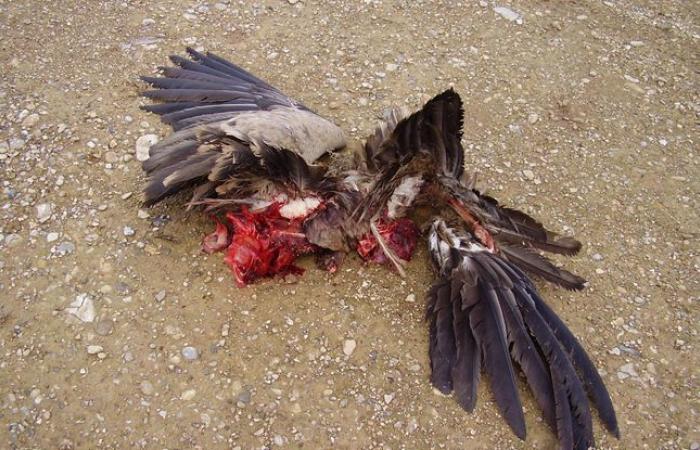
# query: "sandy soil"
585,114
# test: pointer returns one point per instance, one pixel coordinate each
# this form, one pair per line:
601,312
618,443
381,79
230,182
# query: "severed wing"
228,126
483,311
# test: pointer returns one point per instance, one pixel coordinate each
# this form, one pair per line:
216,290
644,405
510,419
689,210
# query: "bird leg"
478,230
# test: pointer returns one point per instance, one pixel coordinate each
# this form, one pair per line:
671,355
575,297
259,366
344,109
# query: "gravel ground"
116,333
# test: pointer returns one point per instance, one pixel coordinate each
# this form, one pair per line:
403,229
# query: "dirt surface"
582,113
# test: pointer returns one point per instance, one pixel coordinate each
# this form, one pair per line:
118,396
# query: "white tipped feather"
403,196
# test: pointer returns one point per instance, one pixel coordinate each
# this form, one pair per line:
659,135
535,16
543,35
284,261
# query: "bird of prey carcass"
252,158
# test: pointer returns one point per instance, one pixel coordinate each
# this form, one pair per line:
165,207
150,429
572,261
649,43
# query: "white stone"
43,212
349,346
83,308
189,394
509,14
94,349
52,237
528,174
143,146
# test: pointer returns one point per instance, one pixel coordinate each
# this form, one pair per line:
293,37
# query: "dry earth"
585,113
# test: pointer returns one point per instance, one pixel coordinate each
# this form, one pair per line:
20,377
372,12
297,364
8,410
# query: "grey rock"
104,327
16,144
30,121
65,248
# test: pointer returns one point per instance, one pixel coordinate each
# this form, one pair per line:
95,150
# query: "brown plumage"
251,156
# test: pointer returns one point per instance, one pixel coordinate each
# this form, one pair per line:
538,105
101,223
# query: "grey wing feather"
497,313
213,103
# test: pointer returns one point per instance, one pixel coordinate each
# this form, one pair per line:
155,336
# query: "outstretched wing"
484,311
222,116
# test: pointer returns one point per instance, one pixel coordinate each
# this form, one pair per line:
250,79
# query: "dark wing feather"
467,367
516,227
442,343
486,320
427,143
434,130
533,262
562,370
591,378
494,299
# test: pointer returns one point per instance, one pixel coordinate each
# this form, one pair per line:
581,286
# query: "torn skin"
400,235
218,240
263,243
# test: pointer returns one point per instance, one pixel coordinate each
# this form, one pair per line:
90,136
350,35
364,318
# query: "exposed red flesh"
400,236
263,243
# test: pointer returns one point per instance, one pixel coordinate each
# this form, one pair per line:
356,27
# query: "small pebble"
83,308
349,346
43,212
509,14
52,237
104,327
143,146
65,248
128,231
30,121
146,387
160,296
189,394
410,298
190,353
94,349
528,174
244,396
16,144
